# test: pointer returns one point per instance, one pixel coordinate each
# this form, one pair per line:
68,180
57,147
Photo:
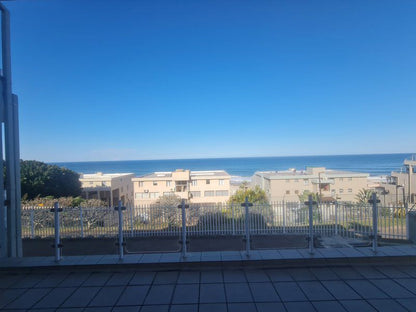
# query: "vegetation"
48,201
304,197
40,180
363,196
255,195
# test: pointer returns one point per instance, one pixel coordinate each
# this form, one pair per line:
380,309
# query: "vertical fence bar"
310,204
374,201
57,244
182,206
247,204
336,217
284,216
131,220
32,223
81,219
120,229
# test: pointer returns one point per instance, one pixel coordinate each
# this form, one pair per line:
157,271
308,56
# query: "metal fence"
346,220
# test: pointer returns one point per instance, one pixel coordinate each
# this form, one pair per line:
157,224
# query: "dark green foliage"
255,195
39,180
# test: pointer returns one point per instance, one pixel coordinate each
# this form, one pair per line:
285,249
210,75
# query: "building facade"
406,180
109,187
203,187
331,185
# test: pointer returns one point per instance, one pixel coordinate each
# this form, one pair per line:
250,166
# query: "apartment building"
330,184
406,180
109,187
198,186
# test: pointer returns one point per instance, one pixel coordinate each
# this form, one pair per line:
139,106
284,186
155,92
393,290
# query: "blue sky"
101,80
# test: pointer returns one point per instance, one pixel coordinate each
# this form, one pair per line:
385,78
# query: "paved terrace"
343,279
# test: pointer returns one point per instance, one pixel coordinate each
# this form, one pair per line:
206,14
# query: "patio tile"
133,295
81,297
289,291
408,283
159,294
406,250
192,257
188,293
387,305
328,306
74,279
151,258
119,279
270,307
97,279
366,289
29,298
357,305
391,271
391,251
132,258
52,280
256,276
340,290
234,276
211,256
142,278
55,298
409,304
170,257
347,273
212,276
315,291
279,275
270,254
350,252
28,281
324,274
126,309
189,277
210,307
155,308
184,308
369,272
290,254
330,253
231,256
238,307
409,269
301,306
391,288
97,309
238,292
253,255
7,280
301,274
8,295
107,296
168,277
212,293
109,259
264,292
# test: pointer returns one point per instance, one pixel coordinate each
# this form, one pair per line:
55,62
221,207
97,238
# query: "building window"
296,180
341,191
155,183
168,183
306,182
194,182
341,179
168,193
287,192
221,182
140,183
154,195
221,193
349,179
209,193
91,183
208,182
296,192
349,190
141,195
196,193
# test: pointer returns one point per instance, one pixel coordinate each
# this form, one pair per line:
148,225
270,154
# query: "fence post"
406,209
131,218
57,245
336,217
284,216
375,201
32,223
183,206
81,218
310,204
247,204
233,217
120,243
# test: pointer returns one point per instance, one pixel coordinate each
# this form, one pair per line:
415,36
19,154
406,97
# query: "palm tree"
363,196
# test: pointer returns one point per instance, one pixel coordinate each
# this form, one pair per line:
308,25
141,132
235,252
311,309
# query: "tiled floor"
349,288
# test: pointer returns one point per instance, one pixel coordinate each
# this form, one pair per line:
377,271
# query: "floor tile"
212,307
315,291
300,306
142,278
107,296
279,275
155,308
366,290
133,295
270,307
391,288
212,276
29,298
189,277
302,274
234,276
238,292
238,307
166,278
387,305
328,306
97,279
188,293
340,290
289,291
264,292
212,293
81,297
184,308
159,294
257,276
54,298
357,306
119,279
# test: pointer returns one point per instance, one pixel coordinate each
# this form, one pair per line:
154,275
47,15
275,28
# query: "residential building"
331,185
109,187
406,180
198,186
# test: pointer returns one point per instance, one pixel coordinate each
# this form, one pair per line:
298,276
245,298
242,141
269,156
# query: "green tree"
39,180
255,195
363,196
305,196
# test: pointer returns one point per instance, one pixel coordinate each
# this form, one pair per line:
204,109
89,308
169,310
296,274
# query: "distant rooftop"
168,174
100,175
310,172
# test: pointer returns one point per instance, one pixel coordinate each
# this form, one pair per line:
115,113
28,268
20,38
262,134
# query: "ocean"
374,164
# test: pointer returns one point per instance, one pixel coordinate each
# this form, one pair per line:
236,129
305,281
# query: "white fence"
347,220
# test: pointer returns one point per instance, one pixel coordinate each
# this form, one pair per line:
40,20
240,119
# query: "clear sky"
118,80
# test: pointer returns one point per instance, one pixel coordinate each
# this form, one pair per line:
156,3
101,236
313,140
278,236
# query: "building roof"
194,174
308,174
102,176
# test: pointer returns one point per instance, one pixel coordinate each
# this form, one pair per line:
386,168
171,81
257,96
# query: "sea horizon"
374,164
